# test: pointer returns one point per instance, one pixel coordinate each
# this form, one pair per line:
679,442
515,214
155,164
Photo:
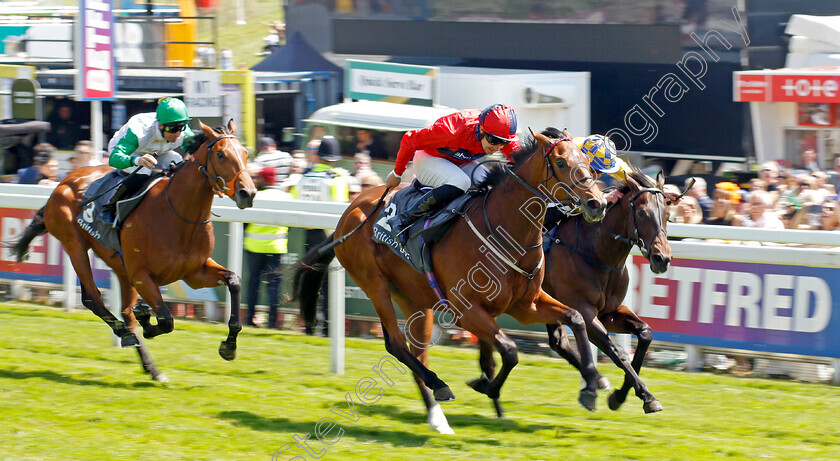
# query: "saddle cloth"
424,231
106,228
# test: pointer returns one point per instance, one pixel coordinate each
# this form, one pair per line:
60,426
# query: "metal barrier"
716,296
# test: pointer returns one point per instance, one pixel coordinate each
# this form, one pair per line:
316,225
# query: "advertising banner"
766,307
46,255
95,65
400,83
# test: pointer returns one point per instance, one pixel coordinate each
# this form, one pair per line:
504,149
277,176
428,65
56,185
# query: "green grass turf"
244,40
67,393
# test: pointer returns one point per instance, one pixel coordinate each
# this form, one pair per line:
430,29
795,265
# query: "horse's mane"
637,175
496,172
200,138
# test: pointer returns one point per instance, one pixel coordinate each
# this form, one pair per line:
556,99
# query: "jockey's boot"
110,208
431,201
126,188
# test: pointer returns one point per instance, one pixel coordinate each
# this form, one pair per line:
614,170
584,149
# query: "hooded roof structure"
297,56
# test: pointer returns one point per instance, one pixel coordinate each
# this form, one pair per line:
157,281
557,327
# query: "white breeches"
436,171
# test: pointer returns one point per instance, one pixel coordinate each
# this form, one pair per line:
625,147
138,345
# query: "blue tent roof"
297,56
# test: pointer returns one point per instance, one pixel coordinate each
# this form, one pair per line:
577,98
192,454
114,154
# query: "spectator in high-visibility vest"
264,246
323,182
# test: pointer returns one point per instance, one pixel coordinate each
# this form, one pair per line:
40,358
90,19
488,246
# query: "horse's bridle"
217,182
635,239
573,201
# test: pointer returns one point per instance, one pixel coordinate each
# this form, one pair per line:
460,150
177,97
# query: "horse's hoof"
443,394
613,401
480,385
588,400
604,384
653,406
129,340
161,378
227,351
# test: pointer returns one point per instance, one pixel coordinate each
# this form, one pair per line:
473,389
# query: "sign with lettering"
400,83
788,86
754,306
95,65
203,93
45,262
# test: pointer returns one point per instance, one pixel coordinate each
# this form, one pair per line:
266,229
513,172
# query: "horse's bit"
217,182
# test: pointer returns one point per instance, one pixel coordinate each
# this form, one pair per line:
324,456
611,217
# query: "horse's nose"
659,263
245,198
594,209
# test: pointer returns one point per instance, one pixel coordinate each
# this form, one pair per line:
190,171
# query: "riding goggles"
495,140
174,127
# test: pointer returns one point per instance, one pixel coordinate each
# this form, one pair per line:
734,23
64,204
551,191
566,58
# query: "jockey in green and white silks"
149,139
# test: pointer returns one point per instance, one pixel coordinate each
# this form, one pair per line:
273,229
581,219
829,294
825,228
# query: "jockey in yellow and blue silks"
602,156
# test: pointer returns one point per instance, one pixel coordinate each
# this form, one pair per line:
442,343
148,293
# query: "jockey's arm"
121,154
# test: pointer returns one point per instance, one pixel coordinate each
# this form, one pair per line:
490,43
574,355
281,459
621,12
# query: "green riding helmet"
171,110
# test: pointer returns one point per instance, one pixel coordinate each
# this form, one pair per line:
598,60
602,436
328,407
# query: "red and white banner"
785,85
95,65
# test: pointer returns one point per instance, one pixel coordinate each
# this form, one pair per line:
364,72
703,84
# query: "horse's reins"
328,247
509,172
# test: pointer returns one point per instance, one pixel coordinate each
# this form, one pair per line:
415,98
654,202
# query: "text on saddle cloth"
424,231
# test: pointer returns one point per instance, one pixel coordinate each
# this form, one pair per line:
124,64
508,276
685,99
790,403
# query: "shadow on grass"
356,430
455,420
64,379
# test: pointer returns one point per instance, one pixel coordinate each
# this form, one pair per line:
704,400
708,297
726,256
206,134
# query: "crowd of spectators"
778,198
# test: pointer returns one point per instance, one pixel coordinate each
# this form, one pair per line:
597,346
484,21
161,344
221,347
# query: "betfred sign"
772,86
754,306
95,69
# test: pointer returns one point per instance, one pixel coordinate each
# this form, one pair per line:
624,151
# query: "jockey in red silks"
446,153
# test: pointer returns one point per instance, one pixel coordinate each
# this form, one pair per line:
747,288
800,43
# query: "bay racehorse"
168,237
585,268
489,262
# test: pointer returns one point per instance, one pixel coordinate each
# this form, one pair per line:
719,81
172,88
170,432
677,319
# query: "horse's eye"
641,213
220,154
668,203
561,163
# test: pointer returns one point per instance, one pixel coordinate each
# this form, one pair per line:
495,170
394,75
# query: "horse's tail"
309,276
34,229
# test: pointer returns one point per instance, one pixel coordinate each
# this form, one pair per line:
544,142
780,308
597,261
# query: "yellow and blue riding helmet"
601,153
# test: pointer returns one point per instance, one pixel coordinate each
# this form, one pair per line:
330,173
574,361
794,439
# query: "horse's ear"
541,139
660,180
566,133
231,127
207,130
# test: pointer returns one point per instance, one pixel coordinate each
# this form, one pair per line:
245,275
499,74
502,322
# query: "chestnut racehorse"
168,237
585,268
482,279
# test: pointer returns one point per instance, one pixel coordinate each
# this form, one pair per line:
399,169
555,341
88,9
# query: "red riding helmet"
500,121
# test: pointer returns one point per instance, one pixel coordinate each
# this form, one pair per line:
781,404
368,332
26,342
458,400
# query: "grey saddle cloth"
425,231
105,228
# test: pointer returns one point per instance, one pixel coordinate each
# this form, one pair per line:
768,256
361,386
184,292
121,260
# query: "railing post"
115,303
694,358
69,279
835,377
336,314
235,242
